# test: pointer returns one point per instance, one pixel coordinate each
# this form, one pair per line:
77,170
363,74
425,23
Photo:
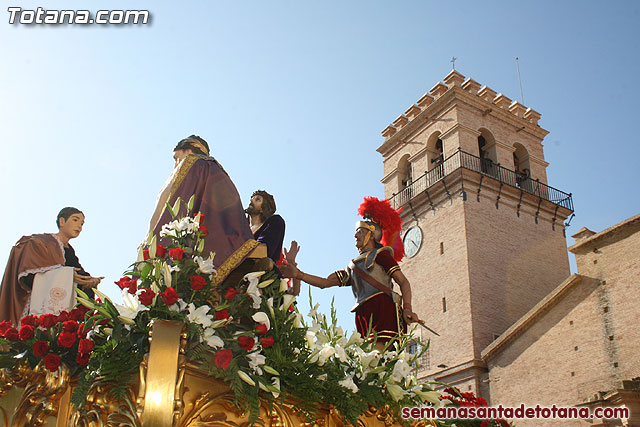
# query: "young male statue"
370,274
36,255
216,197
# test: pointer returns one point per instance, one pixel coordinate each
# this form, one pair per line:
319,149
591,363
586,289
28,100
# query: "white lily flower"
168,231
205,265
166,274
284,285
221,322
211,339
395,391
254,292
401,370
276,383
262,318
287,300
432,397
349,384
199,315
255,360
179,306
270,306
131,306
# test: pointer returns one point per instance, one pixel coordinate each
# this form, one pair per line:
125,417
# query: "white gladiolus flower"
261,317
211,339
349,384
311,338
205,265
341,354
199,315
314,311
130,306
325,353
355,338
255,360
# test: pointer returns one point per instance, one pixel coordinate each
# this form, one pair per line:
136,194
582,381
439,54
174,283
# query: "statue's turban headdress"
195,144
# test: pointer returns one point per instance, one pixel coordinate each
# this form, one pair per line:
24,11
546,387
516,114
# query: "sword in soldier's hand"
423,324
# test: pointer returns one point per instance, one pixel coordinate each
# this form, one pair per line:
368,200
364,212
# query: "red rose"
12,334
85,346
52,362
70,326
4,325
48,320
204,230
176,253
83,359
197,282
30,320
145,254
63,316
131,284
67,339
261,329
223,358
76,314
246,342
146,296
267,342
40,348
170,296
26,332
161,251
222,314
230,294
484,424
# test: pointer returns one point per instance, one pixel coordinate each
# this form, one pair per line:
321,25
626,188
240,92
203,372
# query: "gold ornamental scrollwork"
102,409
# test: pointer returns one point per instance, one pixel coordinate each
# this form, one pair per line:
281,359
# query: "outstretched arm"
291,270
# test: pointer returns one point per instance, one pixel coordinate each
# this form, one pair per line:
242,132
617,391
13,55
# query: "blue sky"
292,96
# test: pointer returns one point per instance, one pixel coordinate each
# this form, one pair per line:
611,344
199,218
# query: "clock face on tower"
412,241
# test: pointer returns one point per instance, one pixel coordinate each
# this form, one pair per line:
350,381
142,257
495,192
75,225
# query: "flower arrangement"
249,334
457,398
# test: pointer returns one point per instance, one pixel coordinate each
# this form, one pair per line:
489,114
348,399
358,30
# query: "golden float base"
170,392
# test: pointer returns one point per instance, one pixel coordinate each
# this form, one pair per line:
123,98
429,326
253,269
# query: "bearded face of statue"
180,154
255,205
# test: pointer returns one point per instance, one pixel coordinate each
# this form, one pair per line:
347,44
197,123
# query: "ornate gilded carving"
41,396
103,410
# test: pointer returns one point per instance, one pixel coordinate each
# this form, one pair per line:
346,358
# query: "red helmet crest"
381,212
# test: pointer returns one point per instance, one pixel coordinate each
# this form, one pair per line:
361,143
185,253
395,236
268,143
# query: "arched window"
521,166
487,152
405,176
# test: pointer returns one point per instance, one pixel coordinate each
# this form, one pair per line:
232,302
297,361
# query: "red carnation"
267,342
146,296
76,314
52,362
223,358
30,320
26,332
204,230
261,329
197,282
85,346
12,334
176,253
246,342
170,296
70,326
40,348
48,320
4,326
222,314
67,339
230,294
83,359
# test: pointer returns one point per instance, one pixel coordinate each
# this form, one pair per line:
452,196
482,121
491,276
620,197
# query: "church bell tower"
483,230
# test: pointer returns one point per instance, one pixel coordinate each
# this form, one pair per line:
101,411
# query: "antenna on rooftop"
519,80
453,61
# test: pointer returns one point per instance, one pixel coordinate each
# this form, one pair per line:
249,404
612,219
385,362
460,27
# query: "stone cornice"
597,238
456,127
453,95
